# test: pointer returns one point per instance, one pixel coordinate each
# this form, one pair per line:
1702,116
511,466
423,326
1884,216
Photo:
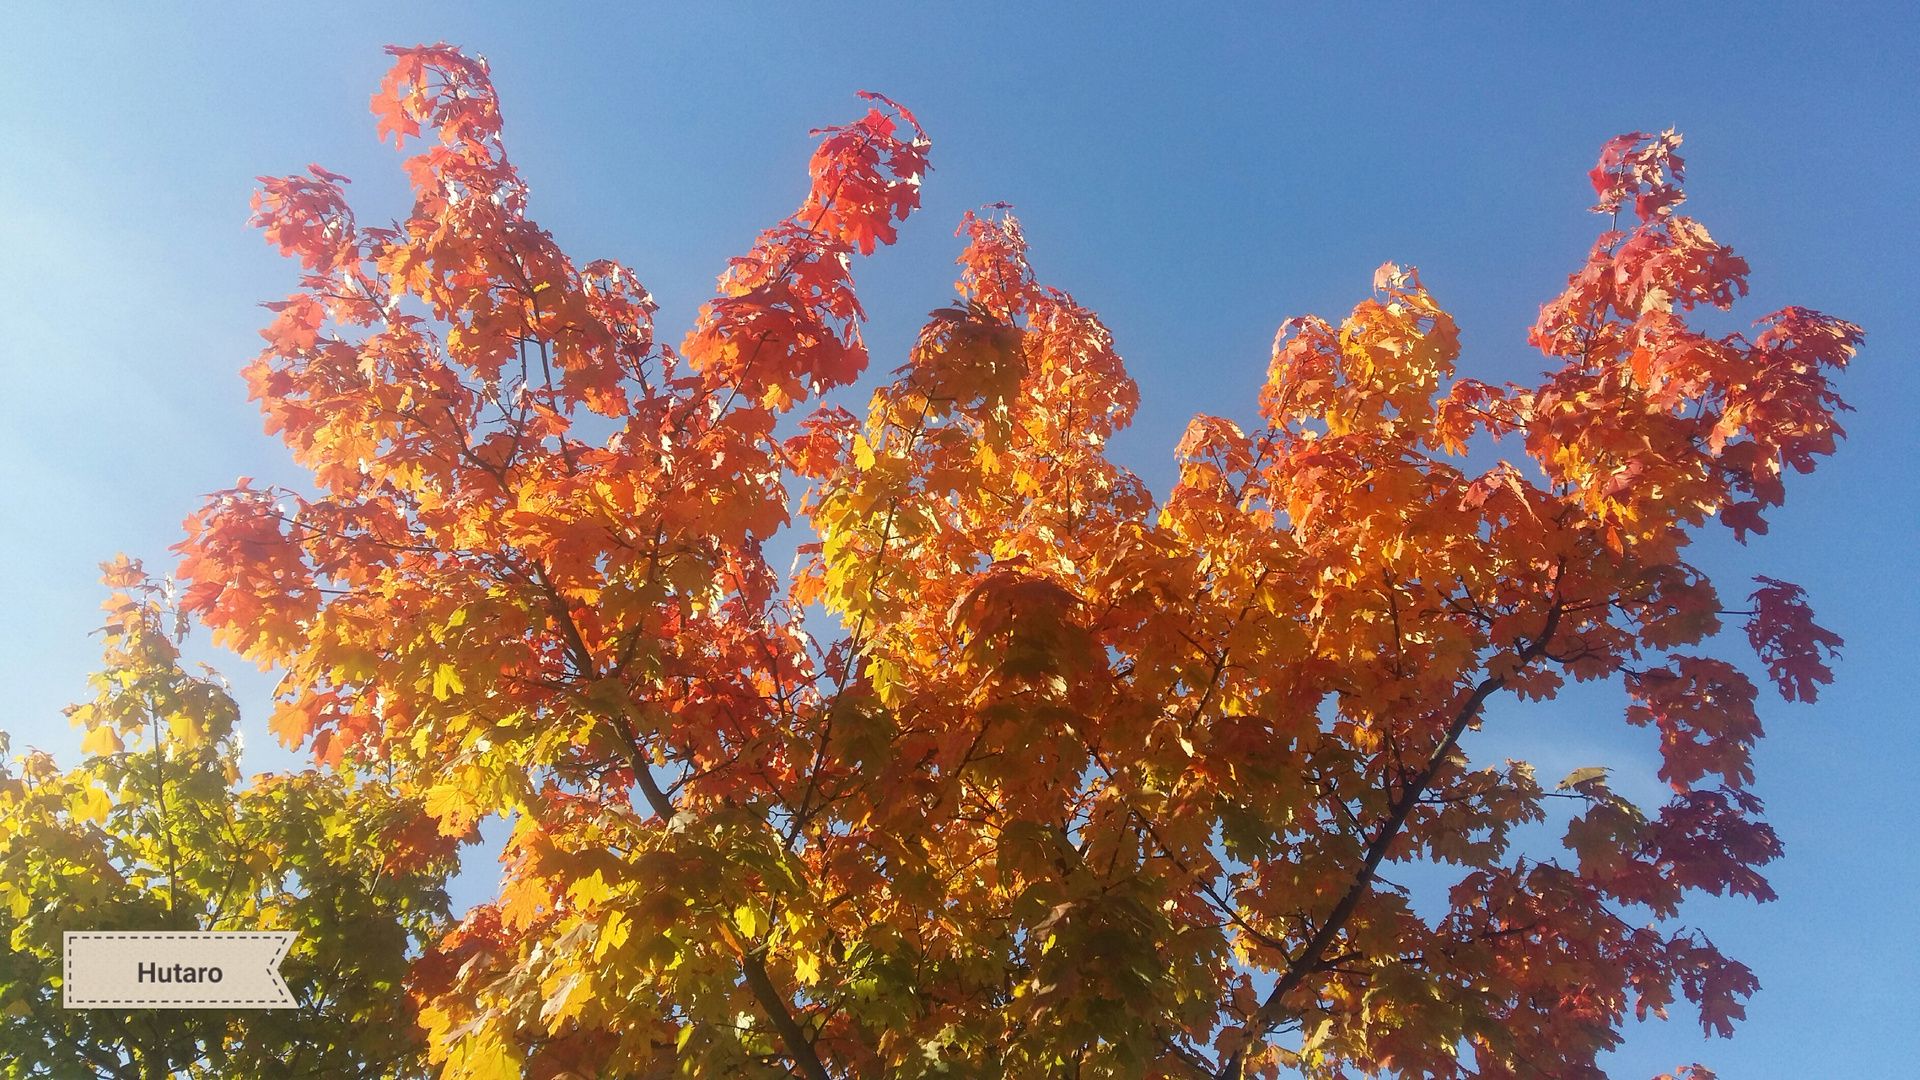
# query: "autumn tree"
1022,773
149,833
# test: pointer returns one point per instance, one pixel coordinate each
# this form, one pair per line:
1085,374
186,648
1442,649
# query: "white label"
176,971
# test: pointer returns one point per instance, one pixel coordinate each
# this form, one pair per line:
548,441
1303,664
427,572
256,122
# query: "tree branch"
751,966
1310,959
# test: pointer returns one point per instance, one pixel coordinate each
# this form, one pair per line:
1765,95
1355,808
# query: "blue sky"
1196,175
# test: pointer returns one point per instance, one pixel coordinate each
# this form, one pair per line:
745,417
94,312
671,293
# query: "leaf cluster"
1020,772
150,833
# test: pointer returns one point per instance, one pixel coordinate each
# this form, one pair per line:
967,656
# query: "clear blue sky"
1194,175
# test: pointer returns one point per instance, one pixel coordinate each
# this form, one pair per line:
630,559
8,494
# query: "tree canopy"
1021,772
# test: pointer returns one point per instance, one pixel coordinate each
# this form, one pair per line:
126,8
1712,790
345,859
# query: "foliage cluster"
150,833
1073,782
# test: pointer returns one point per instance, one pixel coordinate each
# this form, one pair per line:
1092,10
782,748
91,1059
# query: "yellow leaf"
613,933
89,804
481,1056
567,997
806,969
186,729
453,805
446,680
1585,775
102,740
749,920
589,890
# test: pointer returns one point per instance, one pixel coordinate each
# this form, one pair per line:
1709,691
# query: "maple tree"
1021,772
150,833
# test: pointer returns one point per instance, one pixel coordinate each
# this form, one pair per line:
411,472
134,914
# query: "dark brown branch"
1310,959
752,968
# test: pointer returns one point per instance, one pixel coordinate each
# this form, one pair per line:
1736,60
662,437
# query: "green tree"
150,832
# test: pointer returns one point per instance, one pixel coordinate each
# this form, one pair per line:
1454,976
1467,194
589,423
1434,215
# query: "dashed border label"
100,969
